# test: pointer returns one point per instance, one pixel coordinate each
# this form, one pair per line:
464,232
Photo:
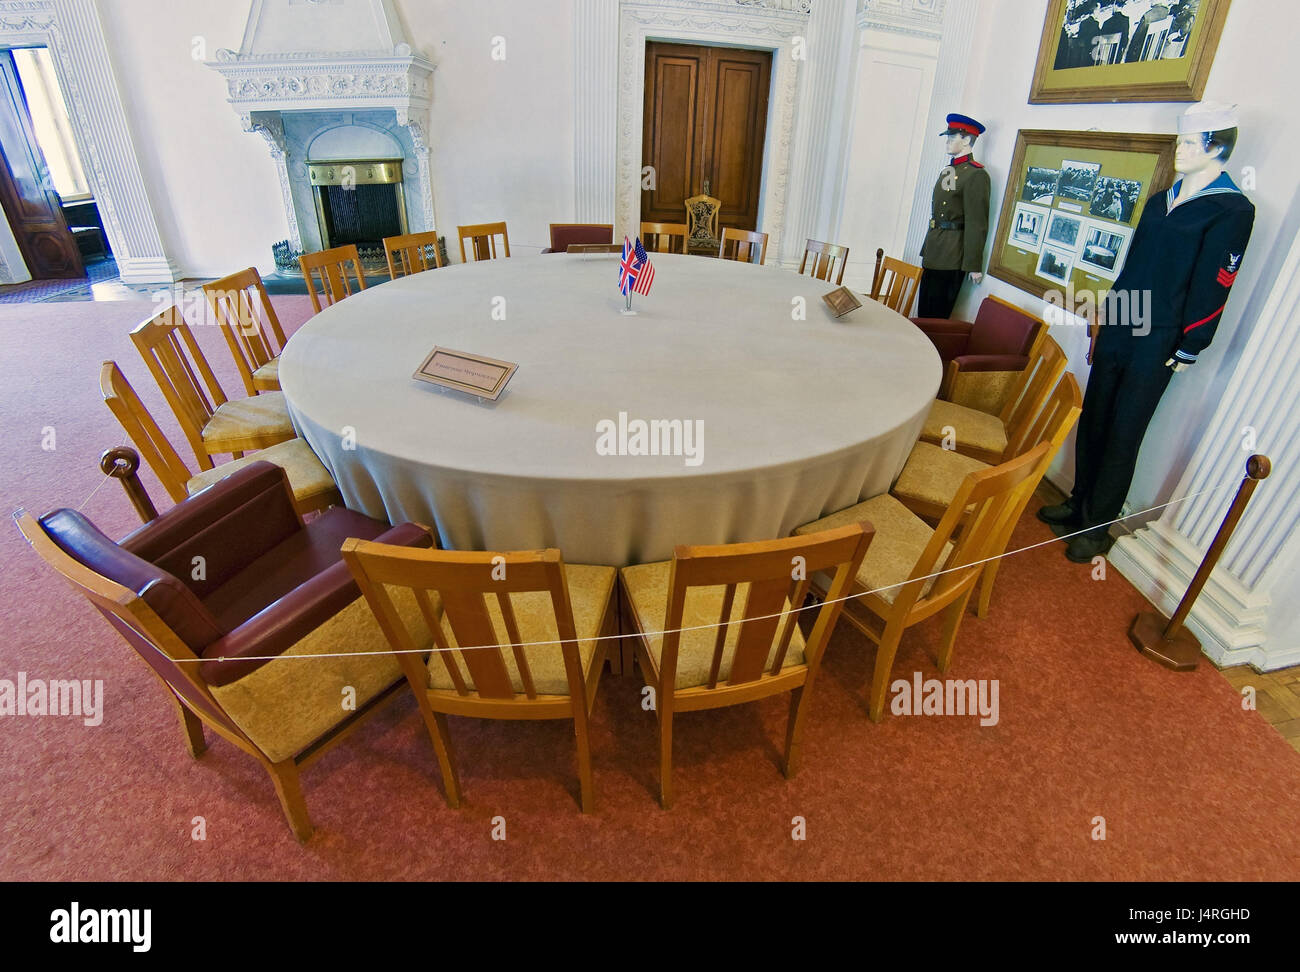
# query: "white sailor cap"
1208,116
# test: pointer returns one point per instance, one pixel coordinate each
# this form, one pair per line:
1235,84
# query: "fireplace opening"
359,202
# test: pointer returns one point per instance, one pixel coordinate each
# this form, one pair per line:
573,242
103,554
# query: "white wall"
1252,68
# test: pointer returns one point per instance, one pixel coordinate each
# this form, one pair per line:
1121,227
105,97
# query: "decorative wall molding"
764,27
72,31
919,18
595,110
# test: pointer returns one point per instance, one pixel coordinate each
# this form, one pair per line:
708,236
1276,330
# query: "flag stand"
628,311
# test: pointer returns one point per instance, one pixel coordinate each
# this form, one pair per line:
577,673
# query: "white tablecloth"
800,417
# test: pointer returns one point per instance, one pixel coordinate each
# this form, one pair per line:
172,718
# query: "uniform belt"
945,224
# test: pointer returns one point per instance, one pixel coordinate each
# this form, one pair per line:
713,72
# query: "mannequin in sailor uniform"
959,223
1182,262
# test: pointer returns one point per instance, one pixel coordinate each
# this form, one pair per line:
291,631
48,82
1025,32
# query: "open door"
30,202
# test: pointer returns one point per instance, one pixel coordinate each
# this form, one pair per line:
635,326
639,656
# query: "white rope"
703,627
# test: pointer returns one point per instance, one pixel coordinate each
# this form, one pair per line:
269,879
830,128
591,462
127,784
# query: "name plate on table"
464,372
841,301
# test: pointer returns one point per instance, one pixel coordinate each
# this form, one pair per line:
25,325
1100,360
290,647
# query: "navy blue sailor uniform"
1181,265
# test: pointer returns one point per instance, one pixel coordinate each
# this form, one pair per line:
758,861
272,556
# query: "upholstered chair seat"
311,483
933,474
247,424
267,377
972,428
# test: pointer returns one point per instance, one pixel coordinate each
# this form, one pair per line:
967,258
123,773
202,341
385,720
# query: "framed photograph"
1056,265
1105,51
1040,184
1119,171
464,372
1103,249
1063,231
1027,226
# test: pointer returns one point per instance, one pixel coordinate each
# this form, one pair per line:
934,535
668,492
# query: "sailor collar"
1223,184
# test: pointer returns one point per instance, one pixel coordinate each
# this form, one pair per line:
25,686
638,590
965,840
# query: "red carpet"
1191,786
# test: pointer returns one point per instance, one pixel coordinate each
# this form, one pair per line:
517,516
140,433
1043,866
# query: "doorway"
704,130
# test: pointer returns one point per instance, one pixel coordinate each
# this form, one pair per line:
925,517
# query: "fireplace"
359,202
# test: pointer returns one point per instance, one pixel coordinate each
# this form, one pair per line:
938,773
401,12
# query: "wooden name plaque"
464,372
841,301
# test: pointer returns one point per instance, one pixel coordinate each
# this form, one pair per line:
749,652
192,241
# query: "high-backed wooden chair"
218,643
895,585
313,487
994,438
485,243
411,253
933,475
329,269
212,425
664,237
754,593
522,636
242,309
702,220
895,283
824,257
750,240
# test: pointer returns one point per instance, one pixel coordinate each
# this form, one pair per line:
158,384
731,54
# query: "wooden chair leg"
284,775
665,759
192,726
950,625
794,730
885,652
436,723
989,574
583,734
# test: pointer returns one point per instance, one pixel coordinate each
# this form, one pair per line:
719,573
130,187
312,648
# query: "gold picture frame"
1165,56
472,374
1071,206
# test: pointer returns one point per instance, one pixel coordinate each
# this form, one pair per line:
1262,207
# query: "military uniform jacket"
1188,259
959,218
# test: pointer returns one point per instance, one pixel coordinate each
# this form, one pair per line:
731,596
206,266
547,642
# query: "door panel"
34,212
705,123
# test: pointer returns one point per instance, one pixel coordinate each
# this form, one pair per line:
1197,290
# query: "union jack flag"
645,270
628,267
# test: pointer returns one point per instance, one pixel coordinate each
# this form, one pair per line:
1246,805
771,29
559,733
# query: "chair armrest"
280,625
991,362
549,250
950,338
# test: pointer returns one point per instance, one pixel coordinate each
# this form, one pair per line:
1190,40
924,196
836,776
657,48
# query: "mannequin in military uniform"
1185,256
959,223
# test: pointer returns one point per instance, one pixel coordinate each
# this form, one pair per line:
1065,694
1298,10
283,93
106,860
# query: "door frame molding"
718,25
72,31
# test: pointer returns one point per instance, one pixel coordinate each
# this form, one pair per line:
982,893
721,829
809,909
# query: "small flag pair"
635,271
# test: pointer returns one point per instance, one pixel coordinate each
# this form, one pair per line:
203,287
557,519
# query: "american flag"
645,270
628,267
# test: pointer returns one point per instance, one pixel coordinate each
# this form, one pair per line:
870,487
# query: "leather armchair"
219,591
983,358
564,234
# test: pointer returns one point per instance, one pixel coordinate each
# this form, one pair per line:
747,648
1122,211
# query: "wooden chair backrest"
751,240
824,257
996,494
896,283
167,345
661,237
143,431
242,309
484,236
702,219
465,580
1046,364
330,269
410,253
778,573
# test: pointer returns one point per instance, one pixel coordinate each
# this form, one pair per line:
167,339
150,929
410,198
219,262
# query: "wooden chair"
895,283
995,438
933,475
660,237
702,220
522,636
824,256
411,253
313,487
284,712
895,584
484,236
330,269
754,593
242,309
212,425
565,235
749,239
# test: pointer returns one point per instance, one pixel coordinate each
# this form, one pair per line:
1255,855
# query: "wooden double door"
705,126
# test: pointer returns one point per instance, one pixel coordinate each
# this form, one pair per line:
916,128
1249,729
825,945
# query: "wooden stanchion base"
1182,653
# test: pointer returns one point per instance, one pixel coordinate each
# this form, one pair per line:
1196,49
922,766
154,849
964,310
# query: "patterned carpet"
1190,785
36,291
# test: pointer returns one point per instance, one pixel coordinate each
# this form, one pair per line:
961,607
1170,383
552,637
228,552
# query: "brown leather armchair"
983,358
220,593
564,234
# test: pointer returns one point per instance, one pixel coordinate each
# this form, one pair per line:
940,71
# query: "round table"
794,418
